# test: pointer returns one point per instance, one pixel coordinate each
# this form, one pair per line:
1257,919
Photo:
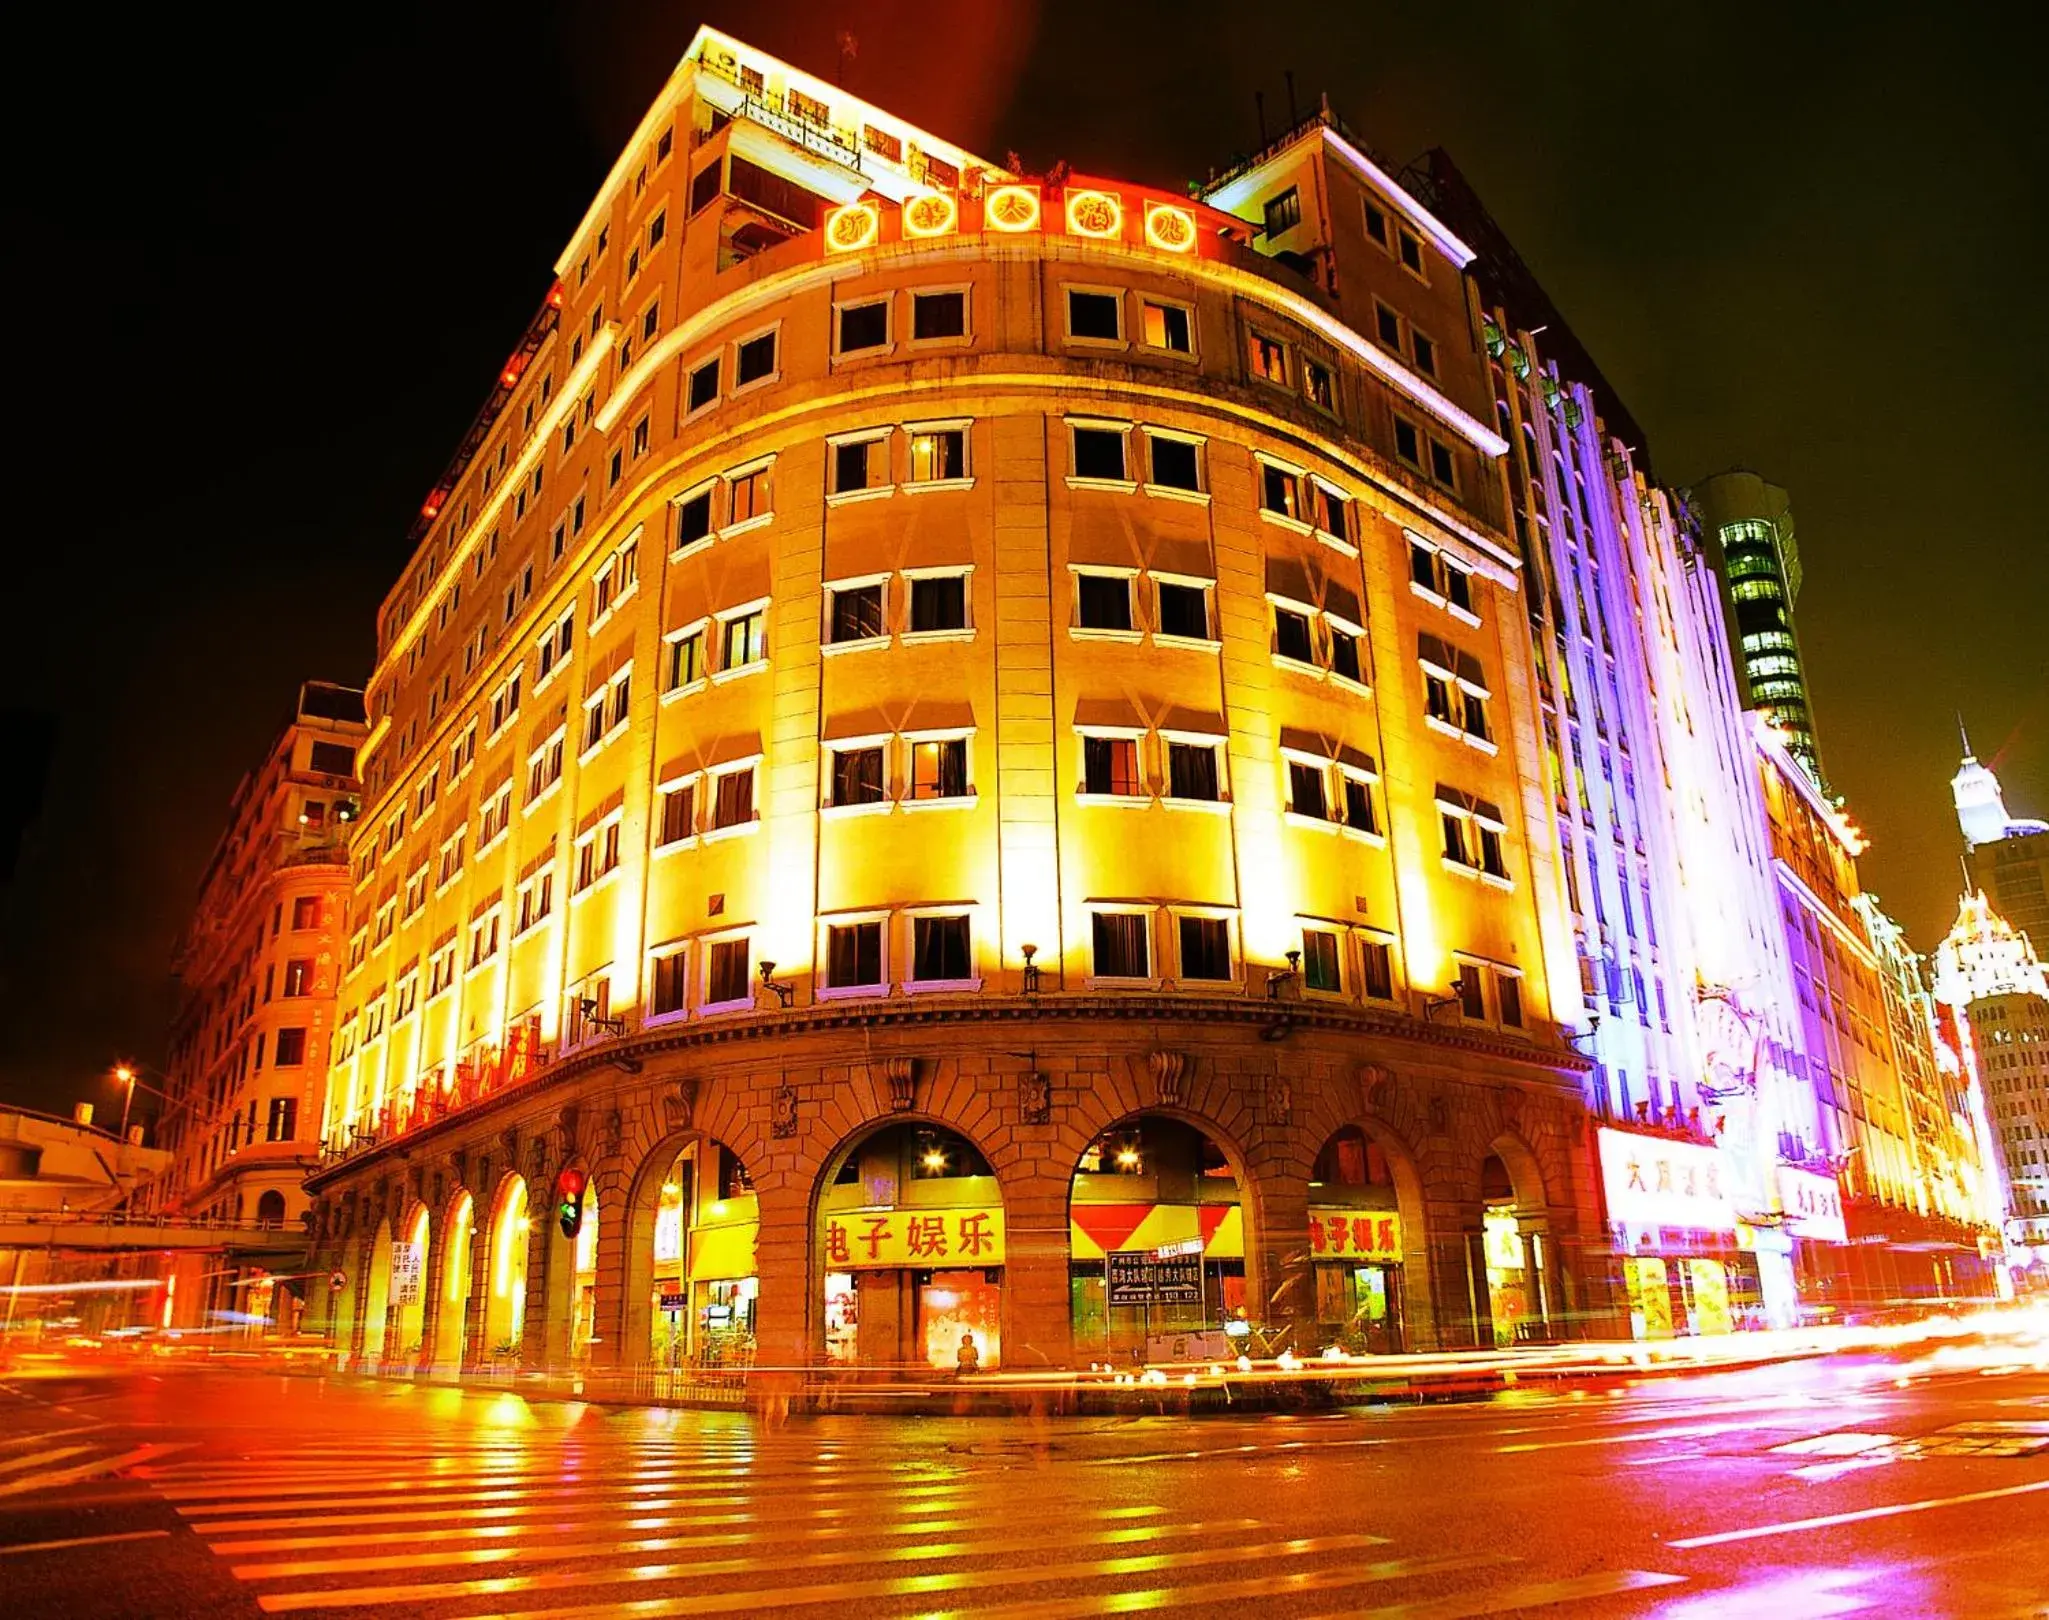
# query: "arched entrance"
270,1208
1515,1244
1156,1245
505,1304
410,1297
1357,1245
909,1240
376,1294
703,1282
451,1317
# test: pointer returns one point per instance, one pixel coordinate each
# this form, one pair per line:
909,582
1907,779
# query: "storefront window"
1355,1246
704,1284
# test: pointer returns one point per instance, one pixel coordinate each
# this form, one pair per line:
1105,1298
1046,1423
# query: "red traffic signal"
569,1191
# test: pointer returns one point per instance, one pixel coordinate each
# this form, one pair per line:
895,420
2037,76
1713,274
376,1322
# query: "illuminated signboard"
934,213
1170,229
1653,1182
1011,208
1370,1235
1813,1205
865,1239
1095,213
849,229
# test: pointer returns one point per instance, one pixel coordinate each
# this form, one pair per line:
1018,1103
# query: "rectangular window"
855,465
1192,771
938,454
1491,860
679,814
291,1049
743,641
1167,326
1205,948
1095,316
1376,223
1376,960
1103,601
1176,463
856,614
940,952
1109,766
1344,654
1334,513
853,956
305,912
1307,793
544,768
1320,961
733,798
725,978
938,315
670,983
693,519
299,977
1184,611
686,661
1358,797
754,360
1423,568
1280,491
1268,358
748,495
1319,384
1408,442
1425,352
1474,713
1410,251
863,326
1443,467
1292,637
536,900
704,185
552,651
939,768
1508,995
938,603
1121,948
1283,211
1099,453
283,1124
704,385
1472,995
1387,326
857,775
494,817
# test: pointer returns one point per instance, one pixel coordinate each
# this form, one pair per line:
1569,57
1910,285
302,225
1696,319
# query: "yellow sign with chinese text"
1373,1236
871,1239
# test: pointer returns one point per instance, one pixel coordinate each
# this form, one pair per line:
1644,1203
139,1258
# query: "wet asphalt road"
1845,1486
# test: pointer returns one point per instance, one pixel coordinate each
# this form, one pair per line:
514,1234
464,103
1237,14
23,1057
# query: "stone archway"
1161,1243
691,1278
1516,1269
569,1286
408,1309
1368,1242
505,1256
454,1279
376,1294
907,1251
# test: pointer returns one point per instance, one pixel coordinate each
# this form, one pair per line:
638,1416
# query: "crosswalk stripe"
761,1563
901,1586
482,1501
413,1536
38,1436
1471,1605
273,1486
1290,1584
57,1454
69,1476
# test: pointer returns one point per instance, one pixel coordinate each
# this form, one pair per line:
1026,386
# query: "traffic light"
569,1186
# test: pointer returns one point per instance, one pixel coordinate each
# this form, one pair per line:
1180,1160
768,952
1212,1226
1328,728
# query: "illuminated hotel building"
245,1082
1988,977
2007,856
955,760
1895,1249
1749,525
1686,1002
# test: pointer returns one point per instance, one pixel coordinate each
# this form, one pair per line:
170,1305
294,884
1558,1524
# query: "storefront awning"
719,1253
1098,1229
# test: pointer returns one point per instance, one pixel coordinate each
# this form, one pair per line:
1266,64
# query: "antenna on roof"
1259,107
1288,74
849,48
1965,735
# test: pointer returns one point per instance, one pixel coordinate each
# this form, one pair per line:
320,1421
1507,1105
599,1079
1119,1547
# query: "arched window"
270,1209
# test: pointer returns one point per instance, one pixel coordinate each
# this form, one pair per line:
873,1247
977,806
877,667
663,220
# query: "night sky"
262,282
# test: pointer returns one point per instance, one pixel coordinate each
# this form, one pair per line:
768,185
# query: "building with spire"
2007,856
1987,974
1749,529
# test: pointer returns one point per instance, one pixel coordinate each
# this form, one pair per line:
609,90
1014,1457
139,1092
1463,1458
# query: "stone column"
612,1324
1281,1280
1038,1320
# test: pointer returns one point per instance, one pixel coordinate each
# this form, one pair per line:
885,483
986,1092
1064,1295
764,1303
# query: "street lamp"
127,1074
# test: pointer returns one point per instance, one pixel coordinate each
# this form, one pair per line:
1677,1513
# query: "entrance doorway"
1355,1246
911,1244
705,1280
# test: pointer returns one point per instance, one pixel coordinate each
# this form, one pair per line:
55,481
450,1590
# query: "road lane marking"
542,1500
278,1484
1215,1592
82,1541
55,1454
67,1476
1080,1537
1579,1589
901,1586
38,1436
1691,1431
414,1537
1826,1521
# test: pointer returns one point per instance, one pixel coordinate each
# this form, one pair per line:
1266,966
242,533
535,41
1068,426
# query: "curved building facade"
954,770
